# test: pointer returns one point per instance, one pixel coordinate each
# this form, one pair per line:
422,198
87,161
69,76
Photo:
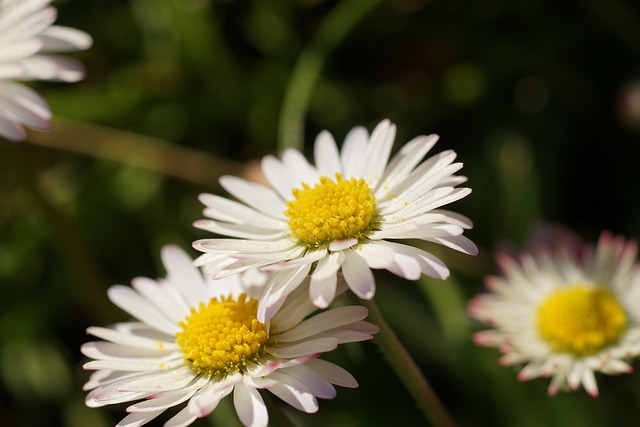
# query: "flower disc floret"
331,210
222,336
581,320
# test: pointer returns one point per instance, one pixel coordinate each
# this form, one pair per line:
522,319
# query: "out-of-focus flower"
565,311
197,340
345,214
27,39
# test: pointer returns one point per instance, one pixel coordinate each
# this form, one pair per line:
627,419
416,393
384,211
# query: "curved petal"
294,393
249,406
131,302
378,151
55,68
259,197
326,155
355,143
64,39
358,275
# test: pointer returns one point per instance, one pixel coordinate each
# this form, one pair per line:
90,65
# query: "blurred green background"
541,100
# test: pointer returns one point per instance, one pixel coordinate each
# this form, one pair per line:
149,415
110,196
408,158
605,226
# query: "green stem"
407,369
307,70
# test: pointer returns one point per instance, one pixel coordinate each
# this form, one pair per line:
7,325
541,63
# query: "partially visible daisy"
345,214
565,312
27,37
196,341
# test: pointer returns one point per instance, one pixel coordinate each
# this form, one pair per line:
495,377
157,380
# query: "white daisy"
345,213
198,340
27,36
565,312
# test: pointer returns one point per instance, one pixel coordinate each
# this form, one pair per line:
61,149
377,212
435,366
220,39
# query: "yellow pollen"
223,336
581,320
332,210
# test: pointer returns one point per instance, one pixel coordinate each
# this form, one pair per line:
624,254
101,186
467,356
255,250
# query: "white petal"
104,377
322,286
333,373
19,50
163,401
183,418
299,168
315,382
418,228
309,257
281,285
16,12
173,379
131,302
263,370
23,114
249,406
406,257
298,349
241,231
451,217
341,245
51,67
326,155
434,199
294,393
376,255
129,339
279,177
11,130
208,397
182,274
324,321
242,246
110,395
354,146
223,209
29,25
404,161
259,197
424,172
589,383
64,39
138,419
459,243
323,291
298,307
575,376
429,181
109,351
165,298
26,97
358,275
378,150
137,364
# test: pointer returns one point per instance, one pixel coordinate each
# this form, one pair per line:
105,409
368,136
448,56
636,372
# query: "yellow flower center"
581,320
332,210
223,336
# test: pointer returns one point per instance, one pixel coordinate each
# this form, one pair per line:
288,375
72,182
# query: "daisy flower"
27,36
565,312
197,340
344,215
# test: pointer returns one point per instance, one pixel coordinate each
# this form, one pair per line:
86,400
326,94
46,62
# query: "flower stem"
307,70
407,369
